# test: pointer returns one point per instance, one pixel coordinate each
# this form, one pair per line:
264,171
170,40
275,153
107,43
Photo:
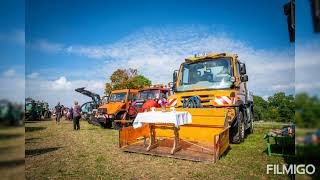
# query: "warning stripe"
223,100
172,102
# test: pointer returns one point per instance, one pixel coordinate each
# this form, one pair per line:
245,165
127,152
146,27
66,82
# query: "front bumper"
104,118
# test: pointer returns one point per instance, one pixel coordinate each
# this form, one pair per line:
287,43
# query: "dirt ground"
55,151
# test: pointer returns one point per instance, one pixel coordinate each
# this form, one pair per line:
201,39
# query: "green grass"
11,152
93,153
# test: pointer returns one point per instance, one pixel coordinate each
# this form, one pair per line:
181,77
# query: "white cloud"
12,86
61,90
33,75
156,53
283,87
9,73
61,84
15,36
46,46
307,67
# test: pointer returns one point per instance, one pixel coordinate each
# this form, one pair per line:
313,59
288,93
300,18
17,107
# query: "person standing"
58,109
76,116
71,113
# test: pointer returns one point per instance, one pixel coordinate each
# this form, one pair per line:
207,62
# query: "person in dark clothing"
71,113
76,116
58,109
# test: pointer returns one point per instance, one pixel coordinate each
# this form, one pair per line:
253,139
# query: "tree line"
302,109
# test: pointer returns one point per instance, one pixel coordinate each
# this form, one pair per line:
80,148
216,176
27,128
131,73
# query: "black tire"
107,124
251,128
116,125
238,131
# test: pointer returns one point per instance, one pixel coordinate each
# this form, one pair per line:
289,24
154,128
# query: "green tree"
126,79
140,81
307,111
284,105
260,108
278,107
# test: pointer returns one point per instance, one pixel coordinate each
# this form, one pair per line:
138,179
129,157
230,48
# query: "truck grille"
205,99
102,111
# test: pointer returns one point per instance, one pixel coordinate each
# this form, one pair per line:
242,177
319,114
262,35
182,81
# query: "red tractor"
148,98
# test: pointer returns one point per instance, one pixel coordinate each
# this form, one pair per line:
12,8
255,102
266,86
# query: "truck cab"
216,81
119,103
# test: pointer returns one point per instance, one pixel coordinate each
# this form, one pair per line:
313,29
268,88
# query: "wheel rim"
242,130
242,126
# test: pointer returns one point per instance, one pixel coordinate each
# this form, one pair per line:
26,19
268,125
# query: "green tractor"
10,114
36,110
31,111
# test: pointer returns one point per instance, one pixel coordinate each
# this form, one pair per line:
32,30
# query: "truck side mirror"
243,69
175,76
244,78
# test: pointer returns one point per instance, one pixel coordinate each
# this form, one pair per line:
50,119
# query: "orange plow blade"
205,139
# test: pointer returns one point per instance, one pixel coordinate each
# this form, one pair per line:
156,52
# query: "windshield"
206,74
149,94
118,97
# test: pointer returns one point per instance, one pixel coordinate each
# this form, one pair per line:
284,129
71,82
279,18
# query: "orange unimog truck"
213,90
117,108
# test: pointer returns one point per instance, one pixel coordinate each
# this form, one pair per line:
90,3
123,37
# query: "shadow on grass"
36,152
309,154
31,140
7,149
9,136
48,119
29,122
31,129
12,163
287,153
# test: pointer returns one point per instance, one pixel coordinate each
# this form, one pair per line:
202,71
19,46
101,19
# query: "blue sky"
307,51
12,67
304,31
106,22
80,43
12,33
86,23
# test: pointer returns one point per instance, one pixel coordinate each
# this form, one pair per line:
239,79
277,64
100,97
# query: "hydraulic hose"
192,102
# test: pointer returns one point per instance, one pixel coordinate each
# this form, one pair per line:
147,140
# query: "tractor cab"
119,104
149,97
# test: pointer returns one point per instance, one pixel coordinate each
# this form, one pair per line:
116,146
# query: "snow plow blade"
206,139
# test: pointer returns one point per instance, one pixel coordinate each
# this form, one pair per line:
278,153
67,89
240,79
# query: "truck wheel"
251,128
106,125
238,132
116,125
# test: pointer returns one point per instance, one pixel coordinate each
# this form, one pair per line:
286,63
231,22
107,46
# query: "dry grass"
55,151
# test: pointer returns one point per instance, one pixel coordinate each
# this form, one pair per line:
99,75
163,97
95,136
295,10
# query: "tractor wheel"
238,132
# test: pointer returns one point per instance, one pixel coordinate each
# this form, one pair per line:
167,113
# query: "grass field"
55,151
12,153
